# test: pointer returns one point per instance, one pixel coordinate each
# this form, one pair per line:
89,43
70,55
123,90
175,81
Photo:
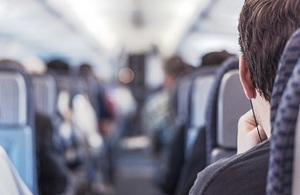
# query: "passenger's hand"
247,133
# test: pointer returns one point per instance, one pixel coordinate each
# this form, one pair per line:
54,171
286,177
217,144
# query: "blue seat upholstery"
284,114
296,167
17,135
282,141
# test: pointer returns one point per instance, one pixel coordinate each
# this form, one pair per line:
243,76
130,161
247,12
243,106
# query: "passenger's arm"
248,136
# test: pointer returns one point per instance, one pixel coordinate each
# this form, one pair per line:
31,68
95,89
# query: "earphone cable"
255,121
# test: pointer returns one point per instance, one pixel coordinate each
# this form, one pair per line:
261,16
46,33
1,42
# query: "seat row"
210,102
77,143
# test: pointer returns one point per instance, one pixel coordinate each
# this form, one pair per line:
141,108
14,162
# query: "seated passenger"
159,113
264,28
52,169
104,109
215,58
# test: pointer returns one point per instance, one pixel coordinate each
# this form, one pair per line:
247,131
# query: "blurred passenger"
104,107
52,169
161,113
264,27
160,108
215,58
73,141
196,162
99,99
177,174
58,66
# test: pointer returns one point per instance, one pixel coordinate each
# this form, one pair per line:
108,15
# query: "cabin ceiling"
93,30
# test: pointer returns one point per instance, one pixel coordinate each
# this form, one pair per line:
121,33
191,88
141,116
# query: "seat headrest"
232,104
282,140
212,105
288,60
46,93
285,103
13,98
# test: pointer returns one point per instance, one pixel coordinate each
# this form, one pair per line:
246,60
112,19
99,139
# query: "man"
264,27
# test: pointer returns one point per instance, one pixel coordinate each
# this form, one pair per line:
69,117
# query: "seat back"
195,156
221,112
183,91
282,154
232,104
296,167
184,94
284,112
199,96
13,98
17,134
177,151
46,92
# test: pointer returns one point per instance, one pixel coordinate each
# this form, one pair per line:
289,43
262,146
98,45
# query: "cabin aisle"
135,172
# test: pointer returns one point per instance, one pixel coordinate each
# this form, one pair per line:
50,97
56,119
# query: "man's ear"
245,79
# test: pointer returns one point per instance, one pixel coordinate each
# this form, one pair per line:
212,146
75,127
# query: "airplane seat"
232,104
84,139
46,92
46,95
176,150
284,156
10,180
183,91
194,151
17,127
199,96
296,168
226,104
283,171
88,123
184,96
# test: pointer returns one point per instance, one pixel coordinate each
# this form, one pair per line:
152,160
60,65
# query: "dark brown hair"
215,58
264,28
175,66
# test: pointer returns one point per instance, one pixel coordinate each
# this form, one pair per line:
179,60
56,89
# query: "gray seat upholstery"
232,104
200,94
194,132
17,134
183,91
225,105
45,89
179,163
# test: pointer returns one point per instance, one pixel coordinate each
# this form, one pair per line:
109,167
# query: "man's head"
264,28
215,58
173,68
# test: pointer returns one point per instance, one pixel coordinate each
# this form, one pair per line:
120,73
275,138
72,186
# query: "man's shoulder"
235,175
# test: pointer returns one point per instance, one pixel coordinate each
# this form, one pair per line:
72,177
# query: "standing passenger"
106,119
